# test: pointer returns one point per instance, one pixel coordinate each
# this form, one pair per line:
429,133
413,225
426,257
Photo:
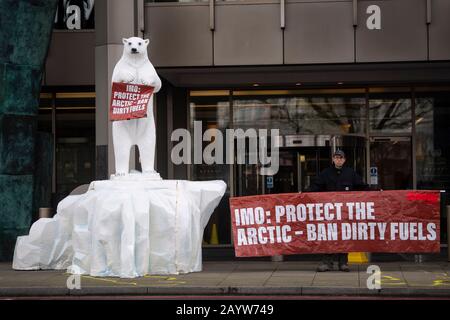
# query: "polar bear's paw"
127,79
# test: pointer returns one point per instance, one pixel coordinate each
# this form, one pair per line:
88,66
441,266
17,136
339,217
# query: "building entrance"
391,139
301,159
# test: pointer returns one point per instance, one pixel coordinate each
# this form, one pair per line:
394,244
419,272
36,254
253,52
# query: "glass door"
391,163
211,110
310,162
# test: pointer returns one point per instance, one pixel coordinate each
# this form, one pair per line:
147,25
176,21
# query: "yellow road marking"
390,280
443,280
109,280
161,279
150,276
441,283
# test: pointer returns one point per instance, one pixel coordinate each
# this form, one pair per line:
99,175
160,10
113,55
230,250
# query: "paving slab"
387,278
336,279
425,278
330,290
398,279
287,282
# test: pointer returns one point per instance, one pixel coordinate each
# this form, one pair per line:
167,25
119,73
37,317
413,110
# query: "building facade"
369,77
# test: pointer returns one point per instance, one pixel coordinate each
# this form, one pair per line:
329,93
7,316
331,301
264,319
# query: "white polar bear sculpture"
135,68
132,224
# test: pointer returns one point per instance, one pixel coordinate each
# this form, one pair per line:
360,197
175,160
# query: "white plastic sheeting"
124,229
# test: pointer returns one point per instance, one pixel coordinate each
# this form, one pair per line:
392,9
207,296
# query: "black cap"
339,153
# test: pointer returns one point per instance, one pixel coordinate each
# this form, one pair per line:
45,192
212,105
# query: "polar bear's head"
135,46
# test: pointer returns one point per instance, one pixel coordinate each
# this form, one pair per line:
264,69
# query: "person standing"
337,178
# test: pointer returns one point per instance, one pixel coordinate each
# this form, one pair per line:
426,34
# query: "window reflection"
315,112
214,113
66,140
390,114
432,144
75,142
301,115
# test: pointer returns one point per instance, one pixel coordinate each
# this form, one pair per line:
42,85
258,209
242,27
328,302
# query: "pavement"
242,278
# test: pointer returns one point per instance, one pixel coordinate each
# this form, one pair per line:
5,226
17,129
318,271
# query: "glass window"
44,162
73,125
45,113
75,141
390,113
432,140
301,114
392,157
249,181
212,112
156,1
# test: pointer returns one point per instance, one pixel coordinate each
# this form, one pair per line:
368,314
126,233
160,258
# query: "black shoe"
344,267
324,267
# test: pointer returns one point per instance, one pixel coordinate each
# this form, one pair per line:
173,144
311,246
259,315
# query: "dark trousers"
341,258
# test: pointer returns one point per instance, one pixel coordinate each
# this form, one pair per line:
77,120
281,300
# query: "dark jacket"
333,179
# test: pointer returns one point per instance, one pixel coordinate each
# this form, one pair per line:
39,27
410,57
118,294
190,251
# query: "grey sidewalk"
242,278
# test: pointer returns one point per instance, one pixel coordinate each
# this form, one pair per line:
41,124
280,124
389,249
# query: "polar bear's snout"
133,48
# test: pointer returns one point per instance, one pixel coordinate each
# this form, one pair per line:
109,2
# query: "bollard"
45,213
448,230
214,236
357,257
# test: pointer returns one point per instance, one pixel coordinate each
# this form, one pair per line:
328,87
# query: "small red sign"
129,101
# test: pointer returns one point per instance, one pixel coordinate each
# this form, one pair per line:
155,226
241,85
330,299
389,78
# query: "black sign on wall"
75,15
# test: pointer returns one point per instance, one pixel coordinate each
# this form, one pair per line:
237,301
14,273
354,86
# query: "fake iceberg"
124,228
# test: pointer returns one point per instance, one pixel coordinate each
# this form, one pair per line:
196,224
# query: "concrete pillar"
114,20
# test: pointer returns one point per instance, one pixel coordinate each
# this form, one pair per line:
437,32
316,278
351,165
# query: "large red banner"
336,222
129,101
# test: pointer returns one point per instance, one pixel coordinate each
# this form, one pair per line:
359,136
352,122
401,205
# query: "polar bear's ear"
124,40
146,41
